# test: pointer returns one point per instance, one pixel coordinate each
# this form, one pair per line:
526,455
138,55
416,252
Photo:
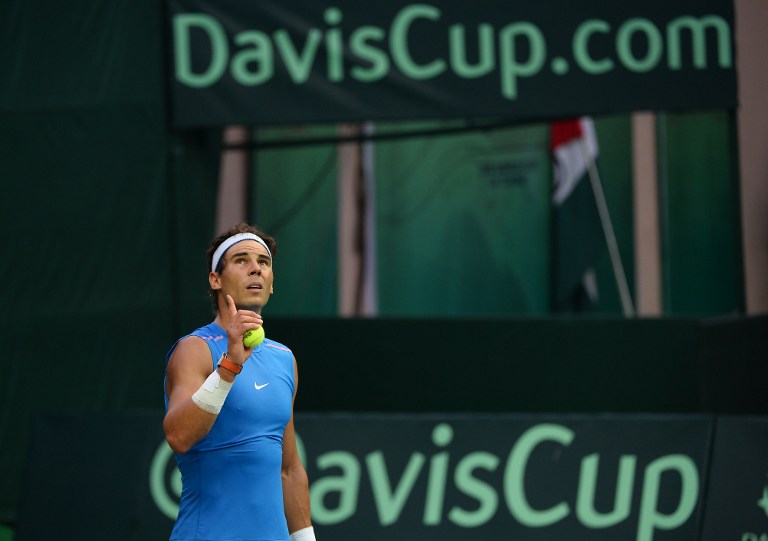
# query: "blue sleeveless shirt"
231,483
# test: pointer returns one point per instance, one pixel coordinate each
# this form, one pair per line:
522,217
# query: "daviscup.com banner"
240,62
425,477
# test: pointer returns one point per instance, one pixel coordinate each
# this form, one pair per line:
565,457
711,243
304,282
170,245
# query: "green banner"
738,483
380,477
235,62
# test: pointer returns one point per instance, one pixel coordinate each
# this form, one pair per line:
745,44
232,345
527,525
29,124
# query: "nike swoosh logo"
260,387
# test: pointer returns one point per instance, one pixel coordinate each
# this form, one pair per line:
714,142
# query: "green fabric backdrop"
462,219
105,215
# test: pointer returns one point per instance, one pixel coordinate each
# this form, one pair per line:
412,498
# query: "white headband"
234,239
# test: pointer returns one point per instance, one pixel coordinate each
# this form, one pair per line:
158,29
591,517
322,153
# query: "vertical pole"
646,215
610,237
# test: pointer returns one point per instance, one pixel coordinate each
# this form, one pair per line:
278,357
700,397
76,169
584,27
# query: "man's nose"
255,268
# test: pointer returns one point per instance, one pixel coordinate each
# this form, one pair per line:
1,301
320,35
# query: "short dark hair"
215,243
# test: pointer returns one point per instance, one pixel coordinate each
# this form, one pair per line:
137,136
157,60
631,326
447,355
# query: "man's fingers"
242,316
232,307
249,319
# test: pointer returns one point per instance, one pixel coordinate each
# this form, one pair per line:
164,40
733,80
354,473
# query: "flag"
577,237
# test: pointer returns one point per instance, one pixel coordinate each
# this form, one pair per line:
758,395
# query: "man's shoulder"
210,333
276,346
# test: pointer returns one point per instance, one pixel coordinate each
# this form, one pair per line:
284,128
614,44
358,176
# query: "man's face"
247,276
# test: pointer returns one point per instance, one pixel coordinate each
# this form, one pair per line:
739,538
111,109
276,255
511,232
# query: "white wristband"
212,393
305,534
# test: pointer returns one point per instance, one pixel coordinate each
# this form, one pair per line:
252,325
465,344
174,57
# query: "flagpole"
610,238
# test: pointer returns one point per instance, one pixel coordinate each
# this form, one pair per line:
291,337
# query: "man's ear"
214,280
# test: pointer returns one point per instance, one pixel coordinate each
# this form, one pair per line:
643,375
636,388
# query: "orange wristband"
229,365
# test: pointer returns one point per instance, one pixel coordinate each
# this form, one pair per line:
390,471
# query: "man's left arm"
295,483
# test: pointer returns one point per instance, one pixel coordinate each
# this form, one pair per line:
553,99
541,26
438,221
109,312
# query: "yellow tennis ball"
253,338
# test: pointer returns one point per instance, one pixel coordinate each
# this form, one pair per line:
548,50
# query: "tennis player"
229,409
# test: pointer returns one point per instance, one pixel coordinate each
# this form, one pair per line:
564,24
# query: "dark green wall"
105,215
530,365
